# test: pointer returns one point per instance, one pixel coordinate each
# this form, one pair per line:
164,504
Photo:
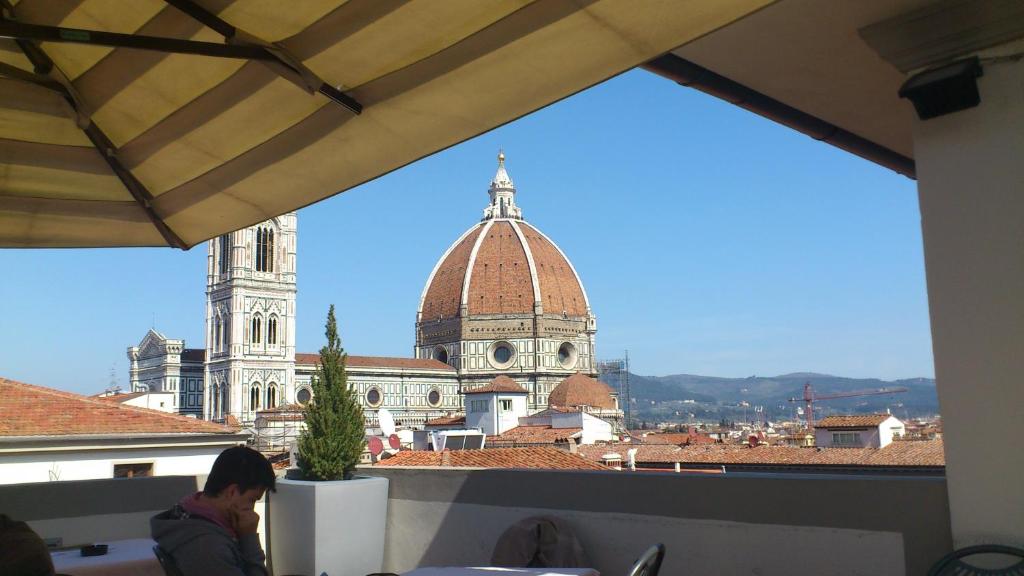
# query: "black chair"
954,563
649,562
166,561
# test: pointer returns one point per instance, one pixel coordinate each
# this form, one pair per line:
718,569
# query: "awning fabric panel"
223,143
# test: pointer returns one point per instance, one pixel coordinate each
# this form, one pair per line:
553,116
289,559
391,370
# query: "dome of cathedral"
502,265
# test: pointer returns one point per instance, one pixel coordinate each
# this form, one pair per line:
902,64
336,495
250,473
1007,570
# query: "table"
122,557
495,571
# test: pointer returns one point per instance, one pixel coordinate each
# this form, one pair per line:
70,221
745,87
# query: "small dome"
581,390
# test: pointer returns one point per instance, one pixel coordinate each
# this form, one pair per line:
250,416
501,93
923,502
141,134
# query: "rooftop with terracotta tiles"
29,410
538,434
857,421
900,453
533,457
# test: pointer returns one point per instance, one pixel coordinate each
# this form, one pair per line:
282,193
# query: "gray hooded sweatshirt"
201,547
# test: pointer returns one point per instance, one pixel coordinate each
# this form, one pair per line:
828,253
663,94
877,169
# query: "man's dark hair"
240,465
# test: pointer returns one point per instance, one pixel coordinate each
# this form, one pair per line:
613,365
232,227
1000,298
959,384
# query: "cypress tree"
332,443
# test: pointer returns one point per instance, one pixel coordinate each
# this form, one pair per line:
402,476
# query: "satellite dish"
387,422
394,441
375,445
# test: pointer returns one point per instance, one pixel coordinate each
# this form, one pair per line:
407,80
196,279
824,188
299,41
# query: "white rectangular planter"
334,527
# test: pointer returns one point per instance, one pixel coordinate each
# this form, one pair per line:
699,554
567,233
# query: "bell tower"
250,320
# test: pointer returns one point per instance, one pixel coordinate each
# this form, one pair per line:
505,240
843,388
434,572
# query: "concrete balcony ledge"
735,524
764,524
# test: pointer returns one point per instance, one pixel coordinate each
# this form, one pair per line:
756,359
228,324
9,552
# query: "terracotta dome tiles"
444,295
501,282
582,390
560,290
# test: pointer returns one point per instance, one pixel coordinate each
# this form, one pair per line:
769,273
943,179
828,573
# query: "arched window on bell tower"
217,342
225,253
257,325
254,397
271,396
272,330
264,249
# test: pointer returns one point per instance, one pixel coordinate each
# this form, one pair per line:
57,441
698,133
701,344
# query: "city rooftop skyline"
710,241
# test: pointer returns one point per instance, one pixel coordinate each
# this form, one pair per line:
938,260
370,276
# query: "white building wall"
971,189
496,421
507,420
16,468
595,430
889,430
875,437
484,420
162,401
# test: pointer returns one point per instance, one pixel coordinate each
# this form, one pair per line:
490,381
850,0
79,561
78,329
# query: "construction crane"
810,398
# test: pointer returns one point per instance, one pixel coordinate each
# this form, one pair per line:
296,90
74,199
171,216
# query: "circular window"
373,397
502,354
567,355
440,354
434,397
303,396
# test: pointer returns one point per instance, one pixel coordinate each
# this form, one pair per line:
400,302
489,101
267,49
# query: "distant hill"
711,398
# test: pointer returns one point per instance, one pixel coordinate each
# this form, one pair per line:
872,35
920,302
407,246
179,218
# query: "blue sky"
710,241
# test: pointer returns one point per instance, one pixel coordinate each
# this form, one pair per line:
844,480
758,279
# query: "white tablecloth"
493,571
123,557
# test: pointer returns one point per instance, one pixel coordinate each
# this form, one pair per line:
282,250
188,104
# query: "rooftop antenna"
113,387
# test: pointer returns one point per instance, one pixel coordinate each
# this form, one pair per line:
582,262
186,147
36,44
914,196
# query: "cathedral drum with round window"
303,396
441,354
373,397
567,355
434,397
502,355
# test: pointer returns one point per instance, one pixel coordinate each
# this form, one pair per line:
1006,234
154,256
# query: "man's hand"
246,521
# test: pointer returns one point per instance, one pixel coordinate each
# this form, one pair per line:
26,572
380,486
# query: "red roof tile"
456,420
582,390
28,410
676,438
858,421
379,362
902,453
535,457
540,434
501,384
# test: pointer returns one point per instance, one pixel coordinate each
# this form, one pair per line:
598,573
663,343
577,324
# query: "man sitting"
213,532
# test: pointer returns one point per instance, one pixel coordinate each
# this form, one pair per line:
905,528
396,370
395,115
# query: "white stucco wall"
889,430
162,401
92,464
494,421
595,430
971,189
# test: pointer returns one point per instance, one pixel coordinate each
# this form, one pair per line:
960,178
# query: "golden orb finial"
501,155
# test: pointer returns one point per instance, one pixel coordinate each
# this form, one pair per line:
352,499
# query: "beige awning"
195,145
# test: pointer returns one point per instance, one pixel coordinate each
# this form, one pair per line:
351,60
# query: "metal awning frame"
238,44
